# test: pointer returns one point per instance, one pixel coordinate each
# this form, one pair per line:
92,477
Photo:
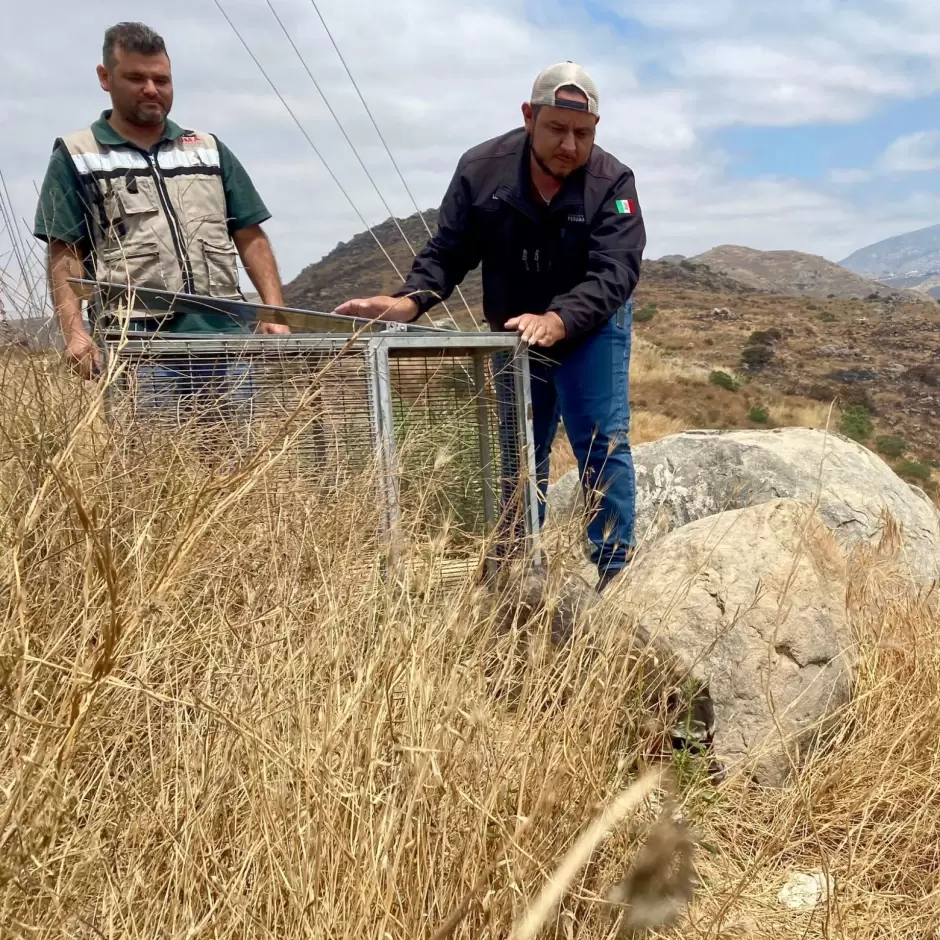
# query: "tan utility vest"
157,220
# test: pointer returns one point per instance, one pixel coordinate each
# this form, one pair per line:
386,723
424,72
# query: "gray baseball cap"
558,76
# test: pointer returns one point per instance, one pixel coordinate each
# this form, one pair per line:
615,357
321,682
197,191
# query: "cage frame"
379,343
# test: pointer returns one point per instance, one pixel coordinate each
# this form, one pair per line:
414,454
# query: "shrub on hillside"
858,395
856,423
929,375
890,445
756,357
819,392
723,380
759,414
645,314
765,337
913,470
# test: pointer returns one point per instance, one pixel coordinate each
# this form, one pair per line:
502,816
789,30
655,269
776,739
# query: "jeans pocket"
623,318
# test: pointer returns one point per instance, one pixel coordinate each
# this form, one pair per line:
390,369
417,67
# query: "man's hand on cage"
397,309
272,329
82,355
539,329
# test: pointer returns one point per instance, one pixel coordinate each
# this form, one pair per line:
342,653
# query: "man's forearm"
65,263
259,261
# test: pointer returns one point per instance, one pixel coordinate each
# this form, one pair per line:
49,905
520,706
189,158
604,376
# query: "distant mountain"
905,261
794,272
30,332
358,268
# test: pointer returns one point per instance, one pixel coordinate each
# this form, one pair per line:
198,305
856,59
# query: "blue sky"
810,124
811,151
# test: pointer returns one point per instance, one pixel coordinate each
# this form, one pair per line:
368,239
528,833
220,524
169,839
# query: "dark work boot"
605,578
609,574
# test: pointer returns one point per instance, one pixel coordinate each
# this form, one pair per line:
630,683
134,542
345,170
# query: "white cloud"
849,177
913,153
440,77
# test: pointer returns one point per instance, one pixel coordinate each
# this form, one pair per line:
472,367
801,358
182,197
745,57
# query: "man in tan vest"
136,199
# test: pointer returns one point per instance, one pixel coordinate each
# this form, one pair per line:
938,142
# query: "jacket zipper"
538,267
525,258
519,206
176,231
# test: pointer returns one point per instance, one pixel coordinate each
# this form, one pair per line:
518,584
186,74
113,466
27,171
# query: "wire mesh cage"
441,420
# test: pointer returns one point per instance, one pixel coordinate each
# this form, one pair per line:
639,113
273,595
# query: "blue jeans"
587,389
211,393
207,388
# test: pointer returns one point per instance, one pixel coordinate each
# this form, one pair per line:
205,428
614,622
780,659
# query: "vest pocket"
138,196
221,269
135,264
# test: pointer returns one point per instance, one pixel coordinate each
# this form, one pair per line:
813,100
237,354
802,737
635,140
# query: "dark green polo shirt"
60,214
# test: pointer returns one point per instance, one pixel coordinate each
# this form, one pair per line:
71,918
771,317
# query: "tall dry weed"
223,718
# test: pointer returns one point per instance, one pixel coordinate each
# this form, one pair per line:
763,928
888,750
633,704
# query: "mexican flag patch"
626,206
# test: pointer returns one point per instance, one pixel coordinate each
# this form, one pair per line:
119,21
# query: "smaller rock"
718,314
837,352
853,375
804,891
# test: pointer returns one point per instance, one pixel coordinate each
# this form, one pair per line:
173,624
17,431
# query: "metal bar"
217,343
242,309
523,386
486,447
380,378
450,340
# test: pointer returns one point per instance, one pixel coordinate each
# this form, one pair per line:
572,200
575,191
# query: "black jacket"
580,256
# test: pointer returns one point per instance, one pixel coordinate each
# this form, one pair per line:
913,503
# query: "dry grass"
219,720
648,364
671,395
802,414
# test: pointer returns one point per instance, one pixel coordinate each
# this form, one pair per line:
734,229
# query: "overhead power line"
352,146
313,146
339,123
349,141
378,131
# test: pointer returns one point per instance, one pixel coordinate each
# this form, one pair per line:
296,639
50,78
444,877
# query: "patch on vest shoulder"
193,139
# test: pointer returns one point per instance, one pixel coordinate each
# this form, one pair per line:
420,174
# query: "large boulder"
748,608
697,474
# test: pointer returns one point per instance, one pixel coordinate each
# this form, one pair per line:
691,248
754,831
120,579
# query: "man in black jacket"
555,222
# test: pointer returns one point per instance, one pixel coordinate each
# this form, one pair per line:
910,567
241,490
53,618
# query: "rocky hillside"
911,260
878,353
358,268
792,272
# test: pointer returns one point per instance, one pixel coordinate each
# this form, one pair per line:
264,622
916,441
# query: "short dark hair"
131,37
